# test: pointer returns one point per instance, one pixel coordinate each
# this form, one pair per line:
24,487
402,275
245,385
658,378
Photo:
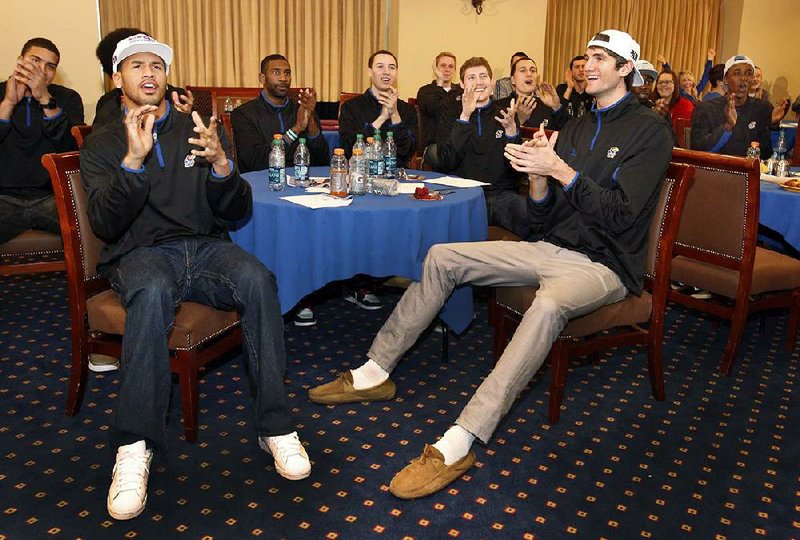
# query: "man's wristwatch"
52,104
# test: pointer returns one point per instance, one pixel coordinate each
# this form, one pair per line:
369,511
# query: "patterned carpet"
719,458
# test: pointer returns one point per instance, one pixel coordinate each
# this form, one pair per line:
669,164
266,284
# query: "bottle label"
391,166
380,166
301,172
373,167
277,175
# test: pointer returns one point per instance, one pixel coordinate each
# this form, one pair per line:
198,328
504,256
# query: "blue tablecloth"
379,236
779,210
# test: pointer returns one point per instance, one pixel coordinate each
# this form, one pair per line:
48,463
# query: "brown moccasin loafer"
341,391
427,474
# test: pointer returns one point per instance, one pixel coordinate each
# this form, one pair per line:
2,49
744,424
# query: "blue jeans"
151,282
18,214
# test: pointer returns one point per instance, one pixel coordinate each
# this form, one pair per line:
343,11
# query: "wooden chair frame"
84,283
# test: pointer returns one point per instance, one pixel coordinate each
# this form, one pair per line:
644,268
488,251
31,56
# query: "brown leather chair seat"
32,242
194,323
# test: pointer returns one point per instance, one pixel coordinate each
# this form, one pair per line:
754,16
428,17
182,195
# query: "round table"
380,236
779,210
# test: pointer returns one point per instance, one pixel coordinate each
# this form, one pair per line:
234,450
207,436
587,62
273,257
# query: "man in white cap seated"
728,126
644,91
160,186
585,218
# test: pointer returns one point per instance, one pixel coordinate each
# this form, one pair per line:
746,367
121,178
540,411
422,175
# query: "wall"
769,33
72,26
424,28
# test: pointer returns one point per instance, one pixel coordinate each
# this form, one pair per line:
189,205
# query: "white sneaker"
100,363
291,460
127,495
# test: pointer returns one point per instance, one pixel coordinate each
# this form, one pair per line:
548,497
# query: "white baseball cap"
137,44
646,68
738,59
621,43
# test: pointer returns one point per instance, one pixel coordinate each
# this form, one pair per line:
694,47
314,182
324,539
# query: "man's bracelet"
291,134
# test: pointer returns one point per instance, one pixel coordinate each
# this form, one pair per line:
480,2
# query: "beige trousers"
569,283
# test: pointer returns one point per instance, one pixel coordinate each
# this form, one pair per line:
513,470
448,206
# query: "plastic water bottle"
228,105
380,168
372,165
754,151
780,147
358,172
278,137
339,173
277,167
302,159
386,186
359,143
390,156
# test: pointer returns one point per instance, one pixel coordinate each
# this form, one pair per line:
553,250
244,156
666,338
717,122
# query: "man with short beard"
380,108
160,188
273,112
35,118
729,125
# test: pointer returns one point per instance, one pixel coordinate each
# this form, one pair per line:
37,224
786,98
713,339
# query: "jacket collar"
269,104
616,109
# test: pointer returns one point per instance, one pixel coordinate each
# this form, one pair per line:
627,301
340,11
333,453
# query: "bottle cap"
277,136
755,144
358,152
390,133
338,152
276,142
370,140
302,140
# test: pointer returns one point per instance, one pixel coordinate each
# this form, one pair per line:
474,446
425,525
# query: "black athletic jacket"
28,135
254,124
173,195
621,154
474,149
356,116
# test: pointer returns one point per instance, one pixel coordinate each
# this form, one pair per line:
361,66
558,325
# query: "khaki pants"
569,283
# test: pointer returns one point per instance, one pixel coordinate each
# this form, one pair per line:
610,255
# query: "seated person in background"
645,92
429,102
572,92
796,108
109,106
728,126
35,119
669,102
475,131
756,91
685,78
255,122
161,207
503,87
585,218
535,103
716,81
379,108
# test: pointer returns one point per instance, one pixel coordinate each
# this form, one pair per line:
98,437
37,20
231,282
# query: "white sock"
455,444
368,375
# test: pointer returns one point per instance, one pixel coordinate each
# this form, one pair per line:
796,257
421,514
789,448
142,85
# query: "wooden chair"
615,324
32,252
716,250
200,333
684,134
346,96
79,133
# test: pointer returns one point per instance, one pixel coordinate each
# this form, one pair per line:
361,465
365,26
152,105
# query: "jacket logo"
751,125
188,161
498,133
612,152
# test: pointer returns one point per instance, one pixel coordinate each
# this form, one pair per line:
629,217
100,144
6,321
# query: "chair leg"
655,365
794,321
445,344
558,379
78,369
500,336
187,381
738,321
